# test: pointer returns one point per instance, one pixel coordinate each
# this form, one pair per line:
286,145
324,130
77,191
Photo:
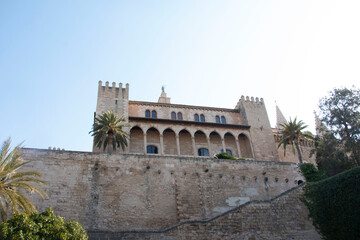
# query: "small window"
203,152
196,118
173,115
217,118
223,120
153,114
179,116
152,149
115,101
202,118
147,113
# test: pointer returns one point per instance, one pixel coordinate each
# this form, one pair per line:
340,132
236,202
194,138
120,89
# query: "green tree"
291,133
331,156
311,173
340,114
13,182
45,225
108,130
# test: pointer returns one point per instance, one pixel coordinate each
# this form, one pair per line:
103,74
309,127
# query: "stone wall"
283,217
138,192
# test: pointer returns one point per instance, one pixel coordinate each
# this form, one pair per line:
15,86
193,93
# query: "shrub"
310,172
334,203
224,155
41,226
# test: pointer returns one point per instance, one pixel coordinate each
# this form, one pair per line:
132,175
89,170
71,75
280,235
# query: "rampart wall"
146,192
283,217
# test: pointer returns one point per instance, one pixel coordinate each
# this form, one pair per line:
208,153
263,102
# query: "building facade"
182,130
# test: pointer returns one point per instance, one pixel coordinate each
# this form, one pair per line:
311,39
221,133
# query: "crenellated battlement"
248,99
113,86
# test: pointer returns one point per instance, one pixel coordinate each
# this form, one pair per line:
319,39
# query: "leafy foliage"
41,226
225,155
334,205
310,172
108,129
341,116
12,182
291,133
331,156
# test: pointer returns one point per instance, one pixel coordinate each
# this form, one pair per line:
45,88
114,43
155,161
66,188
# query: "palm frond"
108,128
13,182
291,133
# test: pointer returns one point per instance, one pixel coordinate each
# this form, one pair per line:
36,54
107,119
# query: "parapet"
107,89
248,99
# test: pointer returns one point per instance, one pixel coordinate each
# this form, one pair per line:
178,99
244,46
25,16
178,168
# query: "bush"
224,155
334,203
310,172
41,226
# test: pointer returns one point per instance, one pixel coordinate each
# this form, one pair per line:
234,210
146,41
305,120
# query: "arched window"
202,118
217,118
173,115
196,117
179,116
203,152
153,114
223,120
152,149
147,113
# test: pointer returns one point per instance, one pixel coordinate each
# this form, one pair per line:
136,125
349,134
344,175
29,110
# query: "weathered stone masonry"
283,217
139,192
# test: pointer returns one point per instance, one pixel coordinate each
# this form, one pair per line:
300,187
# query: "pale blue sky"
53,53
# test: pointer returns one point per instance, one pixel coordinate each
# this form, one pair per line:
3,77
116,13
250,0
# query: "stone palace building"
182,130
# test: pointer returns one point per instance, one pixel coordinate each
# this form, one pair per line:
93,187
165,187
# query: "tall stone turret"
254,114
115,99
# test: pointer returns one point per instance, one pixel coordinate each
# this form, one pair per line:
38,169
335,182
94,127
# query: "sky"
206,53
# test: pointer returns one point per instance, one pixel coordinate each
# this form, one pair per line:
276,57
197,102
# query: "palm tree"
13,182
291,133
108,130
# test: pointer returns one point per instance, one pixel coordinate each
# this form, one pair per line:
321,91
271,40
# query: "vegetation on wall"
225,155
12,182
310,172
108,130
45,225
334,205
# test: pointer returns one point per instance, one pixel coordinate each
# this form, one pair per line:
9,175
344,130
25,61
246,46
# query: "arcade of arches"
187,143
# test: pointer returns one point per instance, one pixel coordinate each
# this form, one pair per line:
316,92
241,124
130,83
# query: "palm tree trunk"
110,143
299,152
